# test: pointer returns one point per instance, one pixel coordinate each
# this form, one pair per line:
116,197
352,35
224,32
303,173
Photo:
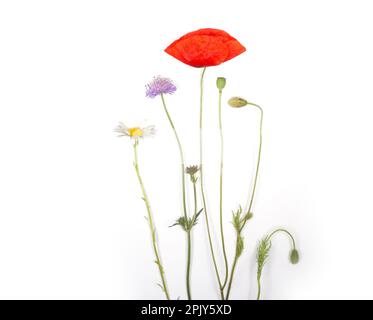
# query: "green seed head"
237,102
294,256
220,83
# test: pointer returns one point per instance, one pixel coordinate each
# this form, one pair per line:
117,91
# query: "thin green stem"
258,161
202,188
151,223
269,239
252,193
180,152
184,194
221,193
195,198
189,237
233,270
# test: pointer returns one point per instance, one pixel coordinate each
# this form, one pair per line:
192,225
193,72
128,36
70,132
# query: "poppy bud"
237,102
294,256
220,83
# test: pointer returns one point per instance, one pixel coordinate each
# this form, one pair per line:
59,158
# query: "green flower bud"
220,83
237,102
294,256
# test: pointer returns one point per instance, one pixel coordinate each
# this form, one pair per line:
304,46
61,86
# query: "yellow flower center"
135,132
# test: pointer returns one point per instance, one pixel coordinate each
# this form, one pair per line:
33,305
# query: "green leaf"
194,220
159,285
181,222
236,219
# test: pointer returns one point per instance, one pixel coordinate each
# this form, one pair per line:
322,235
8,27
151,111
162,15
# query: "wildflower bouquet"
202,49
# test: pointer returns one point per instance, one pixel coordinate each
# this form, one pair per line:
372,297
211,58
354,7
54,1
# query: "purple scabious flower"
158,86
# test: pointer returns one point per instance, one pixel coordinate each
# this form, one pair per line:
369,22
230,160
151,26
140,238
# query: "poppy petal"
205,47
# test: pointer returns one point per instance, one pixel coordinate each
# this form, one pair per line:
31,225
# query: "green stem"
259,288
253,191
285,231
184,194
233,270
258,161
202,188
269,238
221,192
188,265
180,152
151,223
190,240
195,199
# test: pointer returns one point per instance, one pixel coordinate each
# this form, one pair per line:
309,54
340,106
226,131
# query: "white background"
71,217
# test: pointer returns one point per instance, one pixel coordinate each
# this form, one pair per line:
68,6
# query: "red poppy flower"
205,48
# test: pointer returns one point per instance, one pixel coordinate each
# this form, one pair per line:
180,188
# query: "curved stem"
257,163
285,231
221,193
253,191
269,238
151,223
184,193
202,188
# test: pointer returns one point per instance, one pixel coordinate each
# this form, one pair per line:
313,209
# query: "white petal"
148,131
122,129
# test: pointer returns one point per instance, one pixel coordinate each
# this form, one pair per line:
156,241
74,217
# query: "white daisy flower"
134,132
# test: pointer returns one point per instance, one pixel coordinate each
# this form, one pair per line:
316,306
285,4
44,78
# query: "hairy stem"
195,198
258,161
151,224
259,275
285,231
180,152
189,241
221,193
233,270
202,187
252,193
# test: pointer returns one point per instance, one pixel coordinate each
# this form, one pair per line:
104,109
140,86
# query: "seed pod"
220,83
294,256
237,102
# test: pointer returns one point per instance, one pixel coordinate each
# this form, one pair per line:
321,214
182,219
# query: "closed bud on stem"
220,83
294,256
237,102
